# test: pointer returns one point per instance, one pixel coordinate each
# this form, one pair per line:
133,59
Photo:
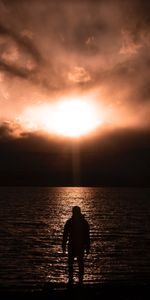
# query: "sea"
31,227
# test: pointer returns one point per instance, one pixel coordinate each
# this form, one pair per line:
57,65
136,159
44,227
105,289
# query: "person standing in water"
77,234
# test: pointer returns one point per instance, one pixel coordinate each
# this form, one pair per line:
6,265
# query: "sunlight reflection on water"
32,221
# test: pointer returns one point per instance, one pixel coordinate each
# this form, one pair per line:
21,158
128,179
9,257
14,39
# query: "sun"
73,117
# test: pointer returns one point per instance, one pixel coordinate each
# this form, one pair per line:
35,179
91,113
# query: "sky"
94,51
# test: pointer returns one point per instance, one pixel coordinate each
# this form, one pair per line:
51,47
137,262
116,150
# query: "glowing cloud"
71,117
79,74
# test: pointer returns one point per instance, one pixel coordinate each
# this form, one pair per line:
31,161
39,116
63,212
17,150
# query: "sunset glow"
72,117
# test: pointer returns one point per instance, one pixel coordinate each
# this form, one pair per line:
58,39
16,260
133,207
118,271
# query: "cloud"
52,49
5,131
119,158
61,47
79,75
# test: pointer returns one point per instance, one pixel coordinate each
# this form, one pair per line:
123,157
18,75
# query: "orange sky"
93,50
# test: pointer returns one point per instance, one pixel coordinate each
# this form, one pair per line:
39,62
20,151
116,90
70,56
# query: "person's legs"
80,259
70,266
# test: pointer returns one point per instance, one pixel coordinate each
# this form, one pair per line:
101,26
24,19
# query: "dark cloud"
5,132
19,57
117,158
22,41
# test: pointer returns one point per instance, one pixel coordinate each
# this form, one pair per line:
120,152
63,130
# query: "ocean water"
31,227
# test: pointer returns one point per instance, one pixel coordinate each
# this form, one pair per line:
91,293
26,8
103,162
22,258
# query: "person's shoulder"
68,222
85,221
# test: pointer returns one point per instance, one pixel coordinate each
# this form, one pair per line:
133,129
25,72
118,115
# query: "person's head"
76,211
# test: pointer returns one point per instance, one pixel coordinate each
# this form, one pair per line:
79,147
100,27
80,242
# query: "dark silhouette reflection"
76,233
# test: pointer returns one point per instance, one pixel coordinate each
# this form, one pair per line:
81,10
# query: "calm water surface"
32,220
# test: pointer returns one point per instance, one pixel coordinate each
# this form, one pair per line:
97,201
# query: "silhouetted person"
76,233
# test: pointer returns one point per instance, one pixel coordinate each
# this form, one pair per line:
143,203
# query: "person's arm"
65,236
87,238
